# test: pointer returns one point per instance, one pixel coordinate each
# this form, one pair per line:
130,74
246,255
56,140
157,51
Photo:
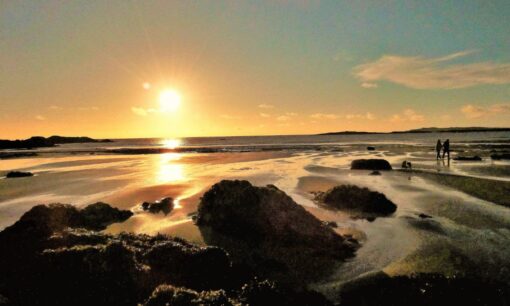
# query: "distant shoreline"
425,130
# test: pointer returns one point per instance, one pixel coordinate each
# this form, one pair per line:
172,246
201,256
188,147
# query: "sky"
99,68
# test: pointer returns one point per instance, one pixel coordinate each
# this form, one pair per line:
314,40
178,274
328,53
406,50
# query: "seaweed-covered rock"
468,158
15,174
370,164
166,205
500,156
66,264
265,229
177,296
423,289
360,202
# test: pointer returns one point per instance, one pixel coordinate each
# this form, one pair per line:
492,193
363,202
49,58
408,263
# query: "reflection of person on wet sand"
438,149
446,148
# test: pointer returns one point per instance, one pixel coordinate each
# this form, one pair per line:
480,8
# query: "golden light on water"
168,170
169,100
171,143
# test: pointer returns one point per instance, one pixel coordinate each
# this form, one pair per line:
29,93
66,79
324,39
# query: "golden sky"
250,68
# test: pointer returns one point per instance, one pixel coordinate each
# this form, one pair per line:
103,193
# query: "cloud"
369,85
283,118
367,116
291,114
324,116
264,115
56,107
475,112
432,73
39,117
230,117
408,115
140,111
94,108
266,106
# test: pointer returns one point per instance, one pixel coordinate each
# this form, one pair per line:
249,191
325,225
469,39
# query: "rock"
169,295
99,215
360,202
166,205
332,224
265,229
69,265
371,148
423,289
407,165
424,216
375,173
14,174
500,156
468,158
370,164
42,220
7,155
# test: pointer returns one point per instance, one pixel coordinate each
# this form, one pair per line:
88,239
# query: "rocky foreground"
264,250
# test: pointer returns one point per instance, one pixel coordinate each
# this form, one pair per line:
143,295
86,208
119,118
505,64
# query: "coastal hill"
427,130
40,142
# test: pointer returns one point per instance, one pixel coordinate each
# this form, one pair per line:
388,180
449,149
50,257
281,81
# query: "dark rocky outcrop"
359,202
166,205
500,156
407,165
49,257
15,174
265,229
41,142
468,158
371,148
370,164
8,155
422,290
375,173
254,293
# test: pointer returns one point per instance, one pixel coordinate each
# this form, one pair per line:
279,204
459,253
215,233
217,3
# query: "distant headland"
41,142
427,130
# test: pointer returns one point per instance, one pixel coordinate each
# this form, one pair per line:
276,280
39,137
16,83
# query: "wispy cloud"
40,117
230,117
324,116
408,115
367,116
291,114
432,73
140,111
369,85
267,106
264,115
475,112
283,118
56,107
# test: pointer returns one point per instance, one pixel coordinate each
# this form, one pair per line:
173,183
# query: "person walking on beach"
446,148
438,149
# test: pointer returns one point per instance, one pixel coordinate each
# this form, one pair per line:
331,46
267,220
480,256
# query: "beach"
443,223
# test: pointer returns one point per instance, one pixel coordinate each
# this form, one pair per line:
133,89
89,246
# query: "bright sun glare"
169,100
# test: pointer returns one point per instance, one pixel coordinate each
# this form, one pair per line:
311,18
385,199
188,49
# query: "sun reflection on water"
168,171
171,143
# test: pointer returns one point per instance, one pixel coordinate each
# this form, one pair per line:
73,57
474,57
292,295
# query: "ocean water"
255,143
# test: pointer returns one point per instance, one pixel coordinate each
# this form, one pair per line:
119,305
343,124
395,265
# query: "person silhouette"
438,148
446,148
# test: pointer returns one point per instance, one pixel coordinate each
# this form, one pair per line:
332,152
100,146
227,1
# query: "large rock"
14,174
360,202
370,164
166,205
66,264
265,229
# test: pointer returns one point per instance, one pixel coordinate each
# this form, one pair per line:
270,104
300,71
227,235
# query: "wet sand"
468,231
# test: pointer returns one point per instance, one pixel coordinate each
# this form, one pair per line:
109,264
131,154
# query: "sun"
169,100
